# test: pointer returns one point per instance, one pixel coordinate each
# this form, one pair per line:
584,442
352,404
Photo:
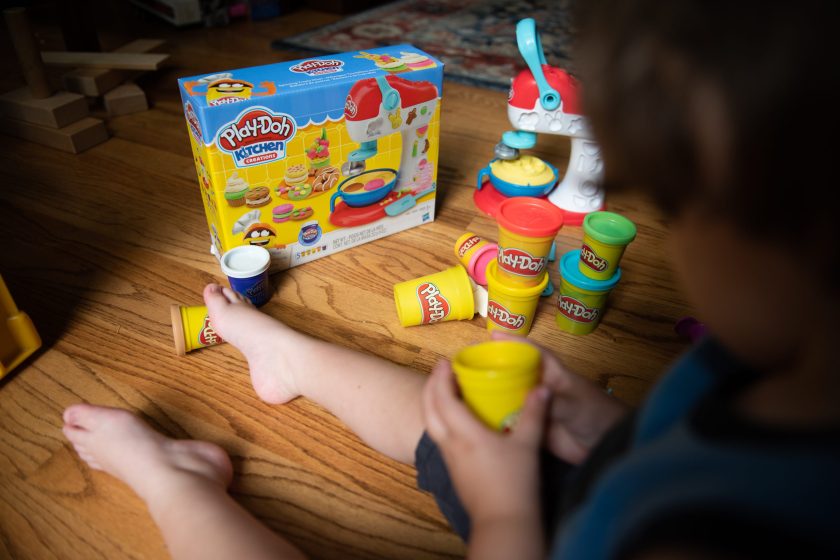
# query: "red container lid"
531,217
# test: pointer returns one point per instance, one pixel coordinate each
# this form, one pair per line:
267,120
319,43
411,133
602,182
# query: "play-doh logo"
208,335
500,315
310,233
432,303
318,67
519,262
350,107
467,245
192,121
256,136
591,259
577,311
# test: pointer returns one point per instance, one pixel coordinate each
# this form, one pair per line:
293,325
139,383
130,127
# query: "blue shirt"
690,454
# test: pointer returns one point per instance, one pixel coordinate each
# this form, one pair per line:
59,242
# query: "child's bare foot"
259,337
118,442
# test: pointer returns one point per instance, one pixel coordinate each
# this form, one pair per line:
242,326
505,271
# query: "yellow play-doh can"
474,253
442,296
191,328
527,228
511,308
605,237
581,300
495,378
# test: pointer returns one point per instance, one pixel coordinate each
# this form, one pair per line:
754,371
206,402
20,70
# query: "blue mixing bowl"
512,189
361,197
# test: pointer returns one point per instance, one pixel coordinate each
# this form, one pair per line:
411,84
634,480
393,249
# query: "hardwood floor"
97,246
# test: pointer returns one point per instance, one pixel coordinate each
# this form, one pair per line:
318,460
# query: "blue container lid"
568,267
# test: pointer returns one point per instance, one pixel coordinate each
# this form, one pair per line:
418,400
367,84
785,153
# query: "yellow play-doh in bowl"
523,176
524,170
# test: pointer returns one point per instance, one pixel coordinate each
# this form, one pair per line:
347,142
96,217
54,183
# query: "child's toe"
79,416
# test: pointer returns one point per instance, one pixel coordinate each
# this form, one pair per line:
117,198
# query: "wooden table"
97,245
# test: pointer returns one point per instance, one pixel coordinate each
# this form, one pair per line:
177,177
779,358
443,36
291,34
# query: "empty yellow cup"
511,308
605,236
495,378
442,296
191,328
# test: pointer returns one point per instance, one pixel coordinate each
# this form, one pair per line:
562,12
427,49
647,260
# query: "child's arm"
580,412
495,475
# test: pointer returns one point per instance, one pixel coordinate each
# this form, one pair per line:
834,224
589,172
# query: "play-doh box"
310,157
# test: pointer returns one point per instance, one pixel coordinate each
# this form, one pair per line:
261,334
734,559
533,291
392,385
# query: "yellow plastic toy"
495,378
443,296
18,337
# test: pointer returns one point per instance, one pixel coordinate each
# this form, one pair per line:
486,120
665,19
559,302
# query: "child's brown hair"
717,104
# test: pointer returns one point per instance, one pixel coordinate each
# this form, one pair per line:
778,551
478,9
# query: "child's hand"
580,412
495,475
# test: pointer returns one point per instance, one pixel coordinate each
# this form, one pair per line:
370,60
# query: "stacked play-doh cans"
452,294
591,272
519,274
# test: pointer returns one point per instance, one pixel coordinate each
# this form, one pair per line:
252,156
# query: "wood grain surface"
96,246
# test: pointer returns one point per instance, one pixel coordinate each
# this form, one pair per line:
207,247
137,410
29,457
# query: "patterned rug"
476,39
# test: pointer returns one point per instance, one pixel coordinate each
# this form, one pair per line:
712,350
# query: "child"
708,107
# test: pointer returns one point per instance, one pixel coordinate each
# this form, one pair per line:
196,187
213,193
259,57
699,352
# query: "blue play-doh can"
581,301
246,267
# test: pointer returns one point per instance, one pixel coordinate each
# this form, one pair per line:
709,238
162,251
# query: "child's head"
711,108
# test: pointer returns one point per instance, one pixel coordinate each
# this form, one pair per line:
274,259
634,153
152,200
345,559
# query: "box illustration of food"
310,157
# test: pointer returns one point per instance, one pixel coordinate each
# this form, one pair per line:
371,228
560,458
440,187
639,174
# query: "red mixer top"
365,97
524,92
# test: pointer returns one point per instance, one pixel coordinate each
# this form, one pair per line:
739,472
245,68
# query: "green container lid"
609,228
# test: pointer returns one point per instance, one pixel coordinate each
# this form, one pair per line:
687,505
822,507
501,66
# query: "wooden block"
125,99
73,138
26,48
112,60
55,111
94,82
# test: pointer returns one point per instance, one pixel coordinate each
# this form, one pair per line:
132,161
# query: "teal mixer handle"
531,49
390,96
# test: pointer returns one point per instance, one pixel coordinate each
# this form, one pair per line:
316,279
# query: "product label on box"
257,135
317,67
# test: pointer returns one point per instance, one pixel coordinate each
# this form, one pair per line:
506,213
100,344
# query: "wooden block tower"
57,119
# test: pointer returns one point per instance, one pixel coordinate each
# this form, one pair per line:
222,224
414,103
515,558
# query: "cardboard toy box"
310,157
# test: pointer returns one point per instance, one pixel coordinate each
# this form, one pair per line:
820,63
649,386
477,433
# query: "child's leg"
377,399
182,482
